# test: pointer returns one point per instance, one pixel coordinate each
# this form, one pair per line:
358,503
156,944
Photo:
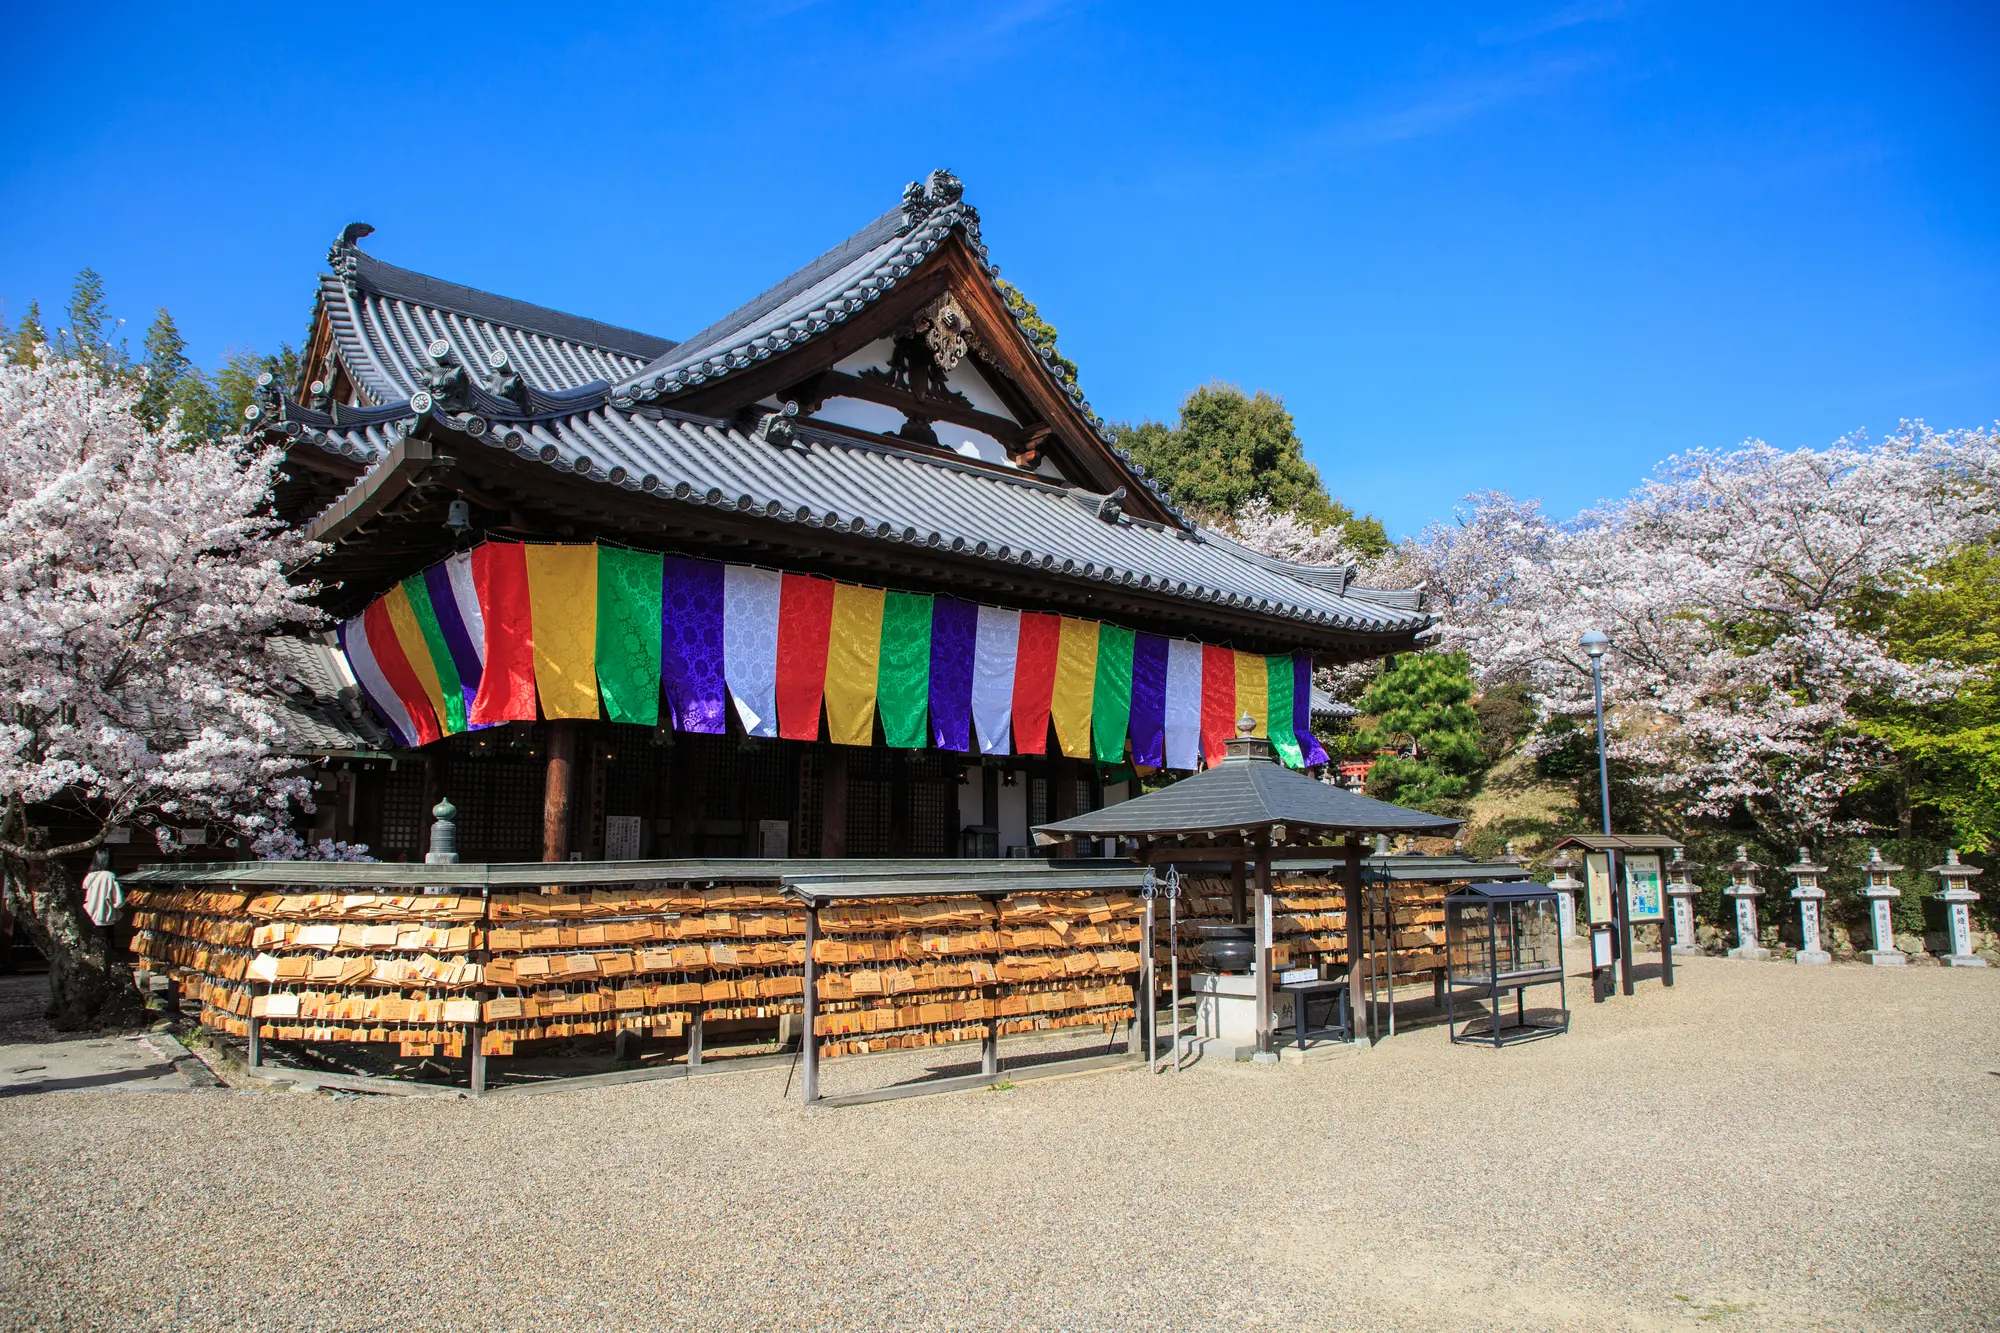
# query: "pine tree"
167,365
23,344
1421,704
86,339
1229,448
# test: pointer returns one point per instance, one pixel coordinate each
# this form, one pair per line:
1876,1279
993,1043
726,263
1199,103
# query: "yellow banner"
854,655
1076,686
562,595
1253,691
410,635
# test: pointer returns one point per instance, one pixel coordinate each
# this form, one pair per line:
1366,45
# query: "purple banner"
954,632
691,644
1149,700
444,603
1302,709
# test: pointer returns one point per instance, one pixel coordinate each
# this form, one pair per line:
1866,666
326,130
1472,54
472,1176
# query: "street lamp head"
1594,642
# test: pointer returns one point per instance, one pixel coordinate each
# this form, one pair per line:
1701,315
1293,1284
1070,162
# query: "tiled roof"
820,479
322,713
383,317
1247,793
836,287
596,403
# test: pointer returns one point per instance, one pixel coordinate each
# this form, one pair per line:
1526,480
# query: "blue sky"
1533,247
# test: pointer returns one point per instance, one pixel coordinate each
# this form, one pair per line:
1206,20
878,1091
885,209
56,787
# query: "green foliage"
168,380
166,366
1949,751
1229,448
1421,704
22,343
1040,332
86,338
236,381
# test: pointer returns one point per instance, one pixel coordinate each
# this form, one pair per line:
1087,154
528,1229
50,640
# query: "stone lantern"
1680,888
1957,897
1879,892
1808,894
1567,885
1743,888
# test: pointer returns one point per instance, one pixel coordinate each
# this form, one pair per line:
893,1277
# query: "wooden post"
1266,951
809,1038
1351,875
558,789
1615,862
255,1056
833,804
1237,871
1149,988
694,1041
476,1062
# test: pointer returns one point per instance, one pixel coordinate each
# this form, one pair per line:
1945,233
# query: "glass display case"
1501,939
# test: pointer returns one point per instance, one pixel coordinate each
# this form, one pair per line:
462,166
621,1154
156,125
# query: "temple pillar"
559,789
833,803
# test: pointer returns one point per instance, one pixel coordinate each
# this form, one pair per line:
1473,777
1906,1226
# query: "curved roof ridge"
387,279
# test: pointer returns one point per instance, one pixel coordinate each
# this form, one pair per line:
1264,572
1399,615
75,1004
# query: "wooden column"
1266,952
1351,878
1622,899
833,803
1237,871
559,789
1062,786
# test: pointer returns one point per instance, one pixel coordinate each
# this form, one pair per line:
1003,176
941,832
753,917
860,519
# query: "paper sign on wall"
621,837
1597,877
1642,887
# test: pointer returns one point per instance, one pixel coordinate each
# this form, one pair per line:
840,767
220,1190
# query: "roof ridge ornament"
922,198
342,254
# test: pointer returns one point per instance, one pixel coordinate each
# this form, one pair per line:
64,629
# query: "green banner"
427,621
628,634
1111,706
903,681
1279,692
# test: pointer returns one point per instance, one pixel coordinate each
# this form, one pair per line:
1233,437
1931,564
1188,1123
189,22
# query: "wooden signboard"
1642,887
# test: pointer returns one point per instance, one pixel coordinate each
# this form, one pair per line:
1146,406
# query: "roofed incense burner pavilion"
773,589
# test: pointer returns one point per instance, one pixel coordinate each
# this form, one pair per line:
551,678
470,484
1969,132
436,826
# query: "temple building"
853,571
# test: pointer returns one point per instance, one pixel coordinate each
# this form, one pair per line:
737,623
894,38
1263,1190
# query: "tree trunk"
88,986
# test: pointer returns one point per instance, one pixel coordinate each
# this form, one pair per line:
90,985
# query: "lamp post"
1743,888
1595,642
1808,894
1881,889
1680,888
1956,897
1566,884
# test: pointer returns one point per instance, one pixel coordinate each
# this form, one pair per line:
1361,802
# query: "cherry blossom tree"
139,575
1743,593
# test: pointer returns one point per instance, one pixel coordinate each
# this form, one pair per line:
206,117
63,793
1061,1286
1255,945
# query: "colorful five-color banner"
506,633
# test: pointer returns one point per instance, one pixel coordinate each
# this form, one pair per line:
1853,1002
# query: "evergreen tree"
166,367
1229,448
24,341
86,338
1421,704
1948,751
1040,332
236,381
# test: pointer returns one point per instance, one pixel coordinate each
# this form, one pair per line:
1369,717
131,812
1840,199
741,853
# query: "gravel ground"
1766,1146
